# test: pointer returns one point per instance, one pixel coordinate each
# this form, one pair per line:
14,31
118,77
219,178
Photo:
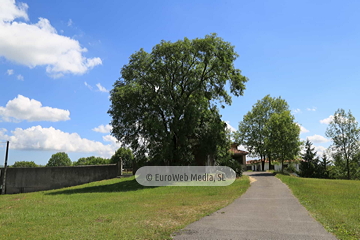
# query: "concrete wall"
21,180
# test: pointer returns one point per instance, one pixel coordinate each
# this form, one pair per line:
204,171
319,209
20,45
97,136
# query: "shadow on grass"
123,186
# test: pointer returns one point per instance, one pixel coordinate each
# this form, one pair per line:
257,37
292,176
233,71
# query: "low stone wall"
22,180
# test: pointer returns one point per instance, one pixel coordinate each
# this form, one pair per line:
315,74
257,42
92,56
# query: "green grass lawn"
111,209
334,203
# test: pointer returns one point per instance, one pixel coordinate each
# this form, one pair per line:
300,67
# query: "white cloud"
327,120
318,139
114,142
20,77
23,108
242,147
101,88
89,86
51,139
296,111
302,129
9,10
69,23
331,118
92,62
39,44
229,127
10,72
103,128
311,109
320,150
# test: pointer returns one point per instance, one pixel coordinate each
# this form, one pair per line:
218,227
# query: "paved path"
268,210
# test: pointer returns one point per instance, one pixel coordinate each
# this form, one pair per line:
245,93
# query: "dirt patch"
252,179
18,199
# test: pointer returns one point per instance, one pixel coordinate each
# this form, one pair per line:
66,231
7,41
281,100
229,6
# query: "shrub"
59,159
91,161
291,168
235,165
125,155
24,164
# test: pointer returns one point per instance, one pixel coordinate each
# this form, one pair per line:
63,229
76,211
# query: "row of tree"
269,131
311,165
62,159
165,108
343,160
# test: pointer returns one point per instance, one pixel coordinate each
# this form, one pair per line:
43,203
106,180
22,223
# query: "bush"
59,159
91,161
235,165
291,168
125,155
24,164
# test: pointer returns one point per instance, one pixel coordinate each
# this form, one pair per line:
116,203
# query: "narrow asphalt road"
268,210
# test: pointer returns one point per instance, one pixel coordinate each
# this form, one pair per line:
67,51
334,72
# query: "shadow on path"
259,174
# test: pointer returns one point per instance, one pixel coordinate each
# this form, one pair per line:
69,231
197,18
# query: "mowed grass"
334,203
111,209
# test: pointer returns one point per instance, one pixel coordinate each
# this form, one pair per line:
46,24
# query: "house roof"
235,151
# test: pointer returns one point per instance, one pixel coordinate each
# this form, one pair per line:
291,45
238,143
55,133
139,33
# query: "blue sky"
59,59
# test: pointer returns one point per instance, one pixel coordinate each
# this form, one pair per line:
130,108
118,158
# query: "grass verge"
111,209
334,203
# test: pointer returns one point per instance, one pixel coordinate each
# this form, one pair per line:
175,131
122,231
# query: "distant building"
238,155
255,165
209,160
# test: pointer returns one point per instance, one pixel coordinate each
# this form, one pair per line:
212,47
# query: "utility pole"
5,168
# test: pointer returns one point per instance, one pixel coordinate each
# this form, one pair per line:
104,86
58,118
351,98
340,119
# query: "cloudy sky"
59,59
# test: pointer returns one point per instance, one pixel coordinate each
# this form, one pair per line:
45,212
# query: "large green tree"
124,154
324,173
345,134
282,141
164,104
309,167
252,133
59,159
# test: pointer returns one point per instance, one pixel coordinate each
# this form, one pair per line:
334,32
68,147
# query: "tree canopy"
91,161
345,133
309,167
252,132
24,164
164,106
282,137
59,159
124,154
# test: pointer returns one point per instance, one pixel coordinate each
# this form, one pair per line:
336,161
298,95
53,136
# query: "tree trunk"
270,168
173,158
135,167
348,168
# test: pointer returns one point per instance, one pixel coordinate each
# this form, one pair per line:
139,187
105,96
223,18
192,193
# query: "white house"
256,165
